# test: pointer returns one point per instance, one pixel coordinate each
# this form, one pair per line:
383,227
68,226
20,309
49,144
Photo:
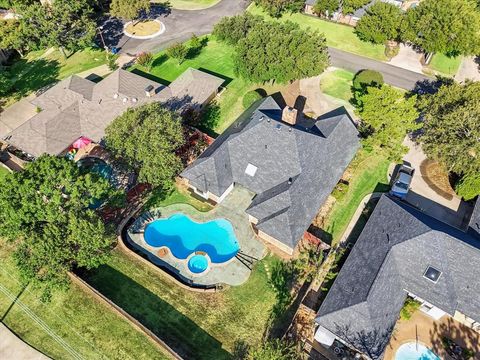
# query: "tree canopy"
234,28
12,35
45,213
178,51
128,9
325,7
280,51
388,116
447,26
382,22
147,138
62,24
276,8
451,130
349,6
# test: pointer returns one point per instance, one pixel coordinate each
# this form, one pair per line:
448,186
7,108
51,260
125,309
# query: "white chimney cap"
115,96
125,100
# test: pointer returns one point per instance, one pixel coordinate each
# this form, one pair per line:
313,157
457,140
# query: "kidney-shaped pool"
183,236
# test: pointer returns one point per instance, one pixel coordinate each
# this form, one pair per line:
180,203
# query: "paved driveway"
12,347
179,24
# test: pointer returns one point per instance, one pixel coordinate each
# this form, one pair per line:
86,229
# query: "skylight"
432,274
251,170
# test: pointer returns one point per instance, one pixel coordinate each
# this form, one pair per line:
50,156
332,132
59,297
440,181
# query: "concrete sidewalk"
12,347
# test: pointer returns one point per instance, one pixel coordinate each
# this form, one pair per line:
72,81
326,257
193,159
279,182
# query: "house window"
432,274
251,170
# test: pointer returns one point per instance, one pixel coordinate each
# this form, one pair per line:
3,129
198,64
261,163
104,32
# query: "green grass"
337,83
189,4
368,174
88,326
216,58
178,195
3,172
39,68
196,325
338,36
444,64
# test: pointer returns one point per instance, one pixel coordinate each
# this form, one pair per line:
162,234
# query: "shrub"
469,186
145,59
112,62
366,78
177,51
232,29
391,51
409,308
340,190
250,97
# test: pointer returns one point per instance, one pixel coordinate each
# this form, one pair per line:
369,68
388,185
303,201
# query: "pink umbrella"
81,142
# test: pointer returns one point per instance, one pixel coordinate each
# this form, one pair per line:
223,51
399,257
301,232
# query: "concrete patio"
429,332
233,272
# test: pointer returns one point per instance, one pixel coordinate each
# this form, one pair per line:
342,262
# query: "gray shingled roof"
388,260
474,223
78,107
297,167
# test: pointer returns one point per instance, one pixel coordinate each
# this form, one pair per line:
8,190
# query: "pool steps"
246,260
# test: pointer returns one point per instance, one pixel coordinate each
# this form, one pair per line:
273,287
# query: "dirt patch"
143,28
436,176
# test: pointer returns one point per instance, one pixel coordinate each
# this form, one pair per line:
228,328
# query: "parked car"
402,182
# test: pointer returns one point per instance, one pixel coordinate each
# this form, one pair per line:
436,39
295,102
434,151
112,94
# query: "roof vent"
134,100
279,127
251,170
290,180
261,118
432,274
125,100
149,91
289,115
115,96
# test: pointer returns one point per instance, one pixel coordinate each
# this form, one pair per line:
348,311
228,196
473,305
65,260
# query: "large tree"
276,8
382,22
147,138
12,35
451,129
349,6
64,24
448,26
387,115
325,7
128,9
281,52
234,28
45,213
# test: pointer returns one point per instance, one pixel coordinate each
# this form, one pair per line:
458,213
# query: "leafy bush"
145,59
177,51
469,186
112,62
391,51
409,308
366,78
250,97
232,29
340,190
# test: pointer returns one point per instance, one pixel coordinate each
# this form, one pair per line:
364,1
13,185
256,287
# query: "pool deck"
233,272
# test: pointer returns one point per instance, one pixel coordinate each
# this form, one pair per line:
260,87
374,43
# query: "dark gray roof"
474,224
78,107
310,2
388,260
297,167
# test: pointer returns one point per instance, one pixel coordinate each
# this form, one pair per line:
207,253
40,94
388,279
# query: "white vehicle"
402,182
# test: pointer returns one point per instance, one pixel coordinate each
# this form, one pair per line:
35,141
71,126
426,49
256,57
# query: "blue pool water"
184,236
412,351
198,264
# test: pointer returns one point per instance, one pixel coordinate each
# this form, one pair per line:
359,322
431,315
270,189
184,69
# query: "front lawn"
178,195
216,58
338,36
196,325
88,327
444,64
337,83
40,68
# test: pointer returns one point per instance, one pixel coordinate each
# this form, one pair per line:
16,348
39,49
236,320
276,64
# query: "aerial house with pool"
290,164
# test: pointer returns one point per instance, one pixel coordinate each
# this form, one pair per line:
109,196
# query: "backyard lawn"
40,68
87,326
196,325
444,64
338,36
178,195
216,58
337,83
189,4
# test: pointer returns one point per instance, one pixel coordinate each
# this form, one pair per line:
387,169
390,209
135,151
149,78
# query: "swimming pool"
183,237
414,351
97,166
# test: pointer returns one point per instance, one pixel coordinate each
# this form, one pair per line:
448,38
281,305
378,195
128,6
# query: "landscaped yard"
444,64
216,58
3,172
89,327
41,68
338,36
178,195
196,325
189,4
337,83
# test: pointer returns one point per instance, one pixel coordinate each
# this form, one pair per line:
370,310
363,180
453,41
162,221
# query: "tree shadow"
159,60
158,10
38,74
112,32
151,77
430,86
178,331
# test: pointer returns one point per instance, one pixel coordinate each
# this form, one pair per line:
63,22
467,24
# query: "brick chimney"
289,115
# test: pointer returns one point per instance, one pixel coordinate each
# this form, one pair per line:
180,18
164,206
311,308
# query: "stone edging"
144,37
117,309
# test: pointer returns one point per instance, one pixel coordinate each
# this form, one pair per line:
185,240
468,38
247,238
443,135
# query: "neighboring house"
77,107
291,163
402,252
